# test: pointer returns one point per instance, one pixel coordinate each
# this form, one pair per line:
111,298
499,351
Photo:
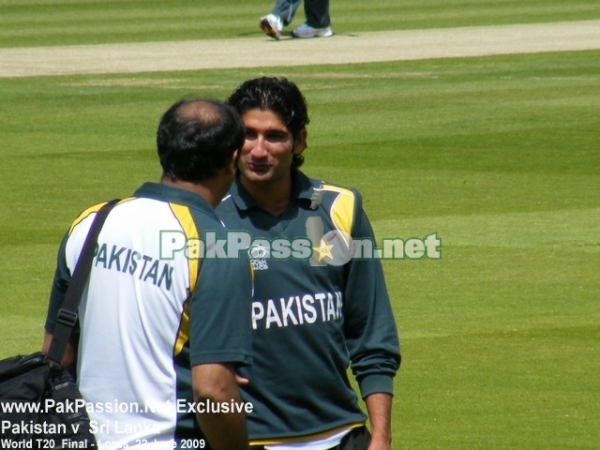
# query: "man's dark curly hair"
277,95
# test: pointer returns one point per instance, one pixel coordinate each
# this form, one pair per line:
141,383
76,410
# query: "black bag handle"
67,315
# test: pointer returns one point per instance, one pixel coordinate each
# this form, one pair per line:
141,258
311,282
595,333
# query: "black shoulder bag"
40,403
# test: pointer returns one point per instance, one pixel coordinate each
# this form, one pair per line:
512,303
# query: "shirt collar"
173,194
302,190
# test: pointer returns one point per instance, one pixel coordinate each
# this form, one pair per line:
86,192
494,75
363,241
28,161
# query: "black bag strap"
67,315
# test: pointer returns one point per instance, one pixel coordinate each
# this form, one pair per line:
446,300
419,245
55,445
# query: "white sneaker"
271,25
306,31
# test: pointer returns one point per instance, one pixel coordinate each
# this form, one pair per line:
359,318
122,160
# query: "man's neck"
205,190
273,198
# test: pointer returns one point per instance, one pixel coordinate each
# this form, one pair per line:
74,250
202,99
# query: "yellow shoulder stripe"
91,210
184,216
342,210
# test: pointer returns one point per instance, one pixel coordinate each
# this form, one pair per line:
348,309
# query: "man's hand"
240,380
218,383
69,361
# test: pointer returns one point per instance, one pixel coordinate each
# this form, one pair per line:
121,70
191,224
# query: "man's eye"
276,137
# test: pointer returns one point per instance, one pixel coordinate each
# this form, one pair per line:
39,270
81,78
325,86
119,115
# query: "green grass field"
498,155
62,22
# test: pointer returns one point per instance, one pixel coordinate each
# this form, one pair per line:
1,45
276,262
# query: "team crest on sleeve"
332,248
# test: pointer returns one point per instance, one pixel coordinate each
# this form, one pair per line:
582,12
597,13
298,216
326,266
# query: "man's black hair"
277,95
196,138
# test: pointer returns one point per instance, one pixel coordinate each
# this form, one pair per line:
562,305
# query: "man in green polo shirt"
315,310
160,330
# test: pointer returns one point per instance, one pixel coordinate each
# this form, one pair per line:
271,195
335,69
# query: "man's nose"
259,150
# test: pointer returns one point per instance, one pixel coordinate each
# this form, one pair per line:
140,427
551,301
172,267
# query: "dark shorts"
358,439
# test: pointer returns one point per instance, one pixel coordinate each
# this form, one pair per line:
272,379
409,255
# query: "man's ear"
232,166
300,142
